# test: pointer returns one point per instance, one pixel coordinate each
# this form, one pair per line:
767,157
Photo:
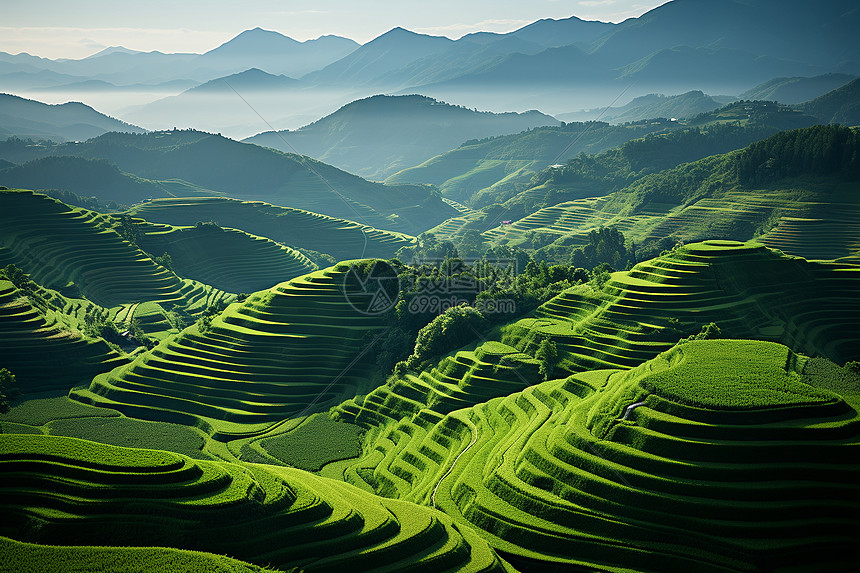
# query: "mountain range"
725,47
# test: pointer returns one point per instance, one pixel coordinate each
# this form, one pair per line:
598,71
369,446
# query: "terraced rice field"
715,457
65,491
817,224
59,245
42,352
293,349
748,290
340,238
463,379
228,259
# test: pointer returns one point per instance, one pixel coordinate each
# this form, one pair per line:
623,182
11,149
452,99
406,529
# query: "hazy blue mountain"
277,54
269,51
222,105
713,69
796,89
113,50
20,80
27,118
380,135
816,33
468,55
650,106
552,33
390,51
841,105
253,79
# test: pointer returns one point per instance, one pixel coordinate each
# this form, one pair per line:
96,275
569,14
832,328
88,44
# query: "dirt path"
454,463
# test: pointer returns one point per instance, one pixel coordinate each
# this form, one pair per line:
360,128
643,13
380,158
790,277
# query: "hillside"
228,259
838,106
252,172
261,514
85,177
657,468
510,161
78,251
298,347
381,135
73,121
796,90
649,107
43,341
721,195
341,238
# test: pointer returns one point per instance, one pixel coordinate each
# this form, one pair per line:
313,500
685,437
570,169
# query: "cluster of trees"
606,245
818,150
7,389
443,302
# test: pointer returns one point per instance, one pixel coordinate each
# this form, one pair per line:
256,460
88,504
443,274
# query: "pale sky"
63,29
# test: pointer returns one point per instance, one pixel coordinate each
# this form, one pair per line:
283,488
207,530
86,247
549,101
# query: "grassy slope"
814,216
747,289
714,456
74,492
43,347
507,161
342,238
295,348
59,245
35,558
228,259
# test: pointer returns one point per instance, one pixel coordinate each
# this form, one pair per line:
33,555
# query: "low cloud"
72,42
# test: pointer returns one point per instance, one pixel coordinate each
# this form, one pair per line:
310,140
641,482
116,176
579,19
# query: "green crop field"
749,290
295,348
64,491
342,238
713,456
215,384
59,245
228,259
42,349
37,558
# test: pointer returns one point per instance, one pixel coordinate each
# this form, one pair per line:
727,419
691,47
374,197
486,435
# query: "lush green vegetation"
64,491
613,469
39,558
344,239
316,442
296,348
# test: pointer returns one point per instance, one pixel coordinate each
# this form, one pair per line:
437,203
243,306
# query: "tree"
547,355
451,329
7,389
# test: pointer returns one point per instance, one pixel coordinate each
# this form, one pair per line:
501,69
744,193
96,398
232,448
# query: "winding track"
450,469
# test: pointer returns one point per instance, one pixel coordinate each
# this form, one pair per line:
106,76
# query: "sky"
63,29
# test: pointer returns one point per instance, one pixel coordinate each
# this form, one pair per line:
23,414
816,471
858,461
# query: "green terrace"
60,245
44,348
341,238
65,491
228,259
716,456
747,289
296,348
